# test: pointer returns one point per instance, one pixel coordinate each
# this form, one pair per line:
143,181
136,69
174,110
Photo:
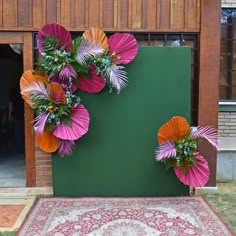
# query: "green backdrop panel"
116,156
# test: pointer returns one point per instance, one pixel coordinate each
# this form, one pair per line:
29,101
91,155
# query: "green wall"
116,156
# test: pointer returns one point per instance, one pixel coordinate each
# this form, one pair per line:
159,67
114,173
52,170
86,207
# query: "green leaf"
50,44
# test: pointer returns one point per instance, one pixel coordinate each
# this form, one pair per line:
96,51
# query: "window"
227,88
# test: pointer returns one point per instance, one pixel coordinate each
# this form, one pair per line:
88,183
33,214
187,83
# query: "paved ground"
17,201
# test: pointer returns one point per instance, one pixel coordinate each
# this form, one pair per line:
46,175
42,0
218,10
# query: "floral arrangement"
86,63
178,148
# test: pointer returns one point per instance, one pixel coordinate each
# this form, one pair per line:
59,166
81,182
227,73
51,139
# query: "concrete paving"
12,170
21,196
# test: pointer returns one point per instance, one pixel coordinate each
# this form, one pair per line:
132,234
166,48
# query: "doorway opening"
12,137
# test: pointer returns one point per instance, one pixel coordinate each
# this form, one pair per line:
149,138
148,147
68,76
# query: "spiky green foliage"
185,154
101,62
52,59
52,63
50,44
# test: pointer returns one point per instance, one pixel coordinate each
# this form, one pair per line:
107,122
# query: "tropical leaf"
96,35
208,133
174,129
54,30
92,84
50,44
36,90
116,77
79,126
47,141
165,150
123,48
66,147
40,121
88,49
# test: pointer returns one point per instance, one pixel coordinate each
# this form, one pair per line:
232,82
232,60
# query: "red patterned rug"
123,217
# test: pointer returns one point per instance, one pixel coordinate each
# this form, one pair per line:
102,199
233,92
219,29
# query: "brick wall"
43,165
227,124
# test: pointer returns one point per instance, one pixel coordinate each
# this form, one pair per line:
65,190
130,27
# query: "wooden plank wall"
111,15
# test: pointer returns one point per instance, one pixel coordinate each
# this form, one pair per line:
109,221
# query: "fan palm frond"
66,147
37,89
116,77
40,122
208,133
165,150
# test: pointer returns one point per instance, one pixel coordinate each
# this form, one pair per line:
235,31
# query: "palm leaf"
37,89
165,150
66,147
116,77
40,122
88,49
208,133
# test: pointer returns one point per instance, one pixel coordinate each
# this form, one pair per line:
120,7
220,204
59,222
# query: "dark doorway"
12,147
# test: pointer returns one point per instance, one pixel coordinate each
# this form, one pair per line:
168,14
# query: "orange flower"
174,129
26,80
47,141
96,35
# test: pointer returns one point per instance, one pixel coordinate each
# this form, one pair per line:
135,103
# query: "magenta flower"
93,83
197,175
122,48
57,31
79,126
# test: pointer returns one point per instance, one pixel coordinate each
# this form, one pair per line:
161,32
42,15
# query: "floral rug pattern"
123,217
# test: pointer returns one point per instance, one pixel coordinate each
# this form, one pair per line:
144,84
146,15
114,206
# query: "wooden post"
209,76
29,117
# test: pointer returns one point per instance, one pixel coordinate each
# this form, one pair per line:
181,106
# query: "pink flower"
93,83
122,48
79,126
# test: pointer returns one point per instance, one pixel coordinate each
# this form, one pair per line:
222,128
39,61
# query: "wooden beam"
11,37
209,76
29,117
